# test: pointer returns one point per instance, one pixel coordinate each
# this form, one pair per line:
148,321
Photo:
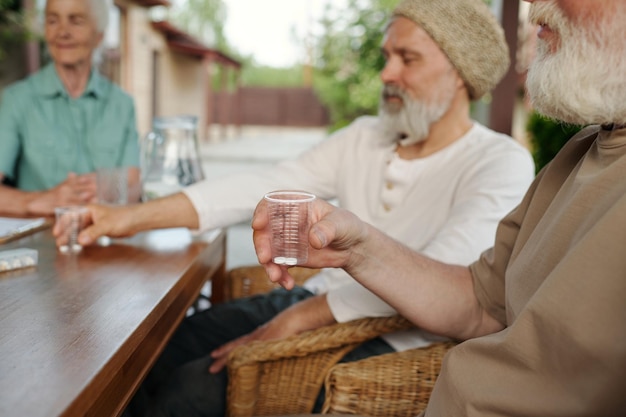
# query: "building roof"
151,3
184,43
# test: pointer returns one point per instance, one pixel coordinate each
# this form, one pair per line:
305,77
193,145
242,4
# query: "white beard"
410,124
583,82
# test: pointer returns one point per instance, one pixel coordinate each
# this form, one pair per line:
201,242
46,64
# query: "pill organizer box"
17,258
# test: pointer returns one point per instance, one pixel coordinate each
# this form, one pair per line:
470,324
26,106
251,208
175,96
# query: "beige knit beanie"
468,33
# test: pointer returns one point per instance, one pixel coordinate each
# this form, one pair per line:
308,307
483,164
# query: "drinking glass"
289,213
72,220
112,185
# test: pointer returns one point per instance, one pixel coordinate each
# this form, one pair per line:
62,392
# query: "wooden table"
79,332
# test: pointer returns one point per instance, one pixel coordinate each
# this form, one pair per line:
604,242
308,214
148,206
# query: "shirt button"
389,186
387,208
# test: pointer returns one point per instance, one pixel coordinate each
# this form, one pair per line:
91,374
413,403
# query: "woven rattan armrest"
395,384
285,376
250,280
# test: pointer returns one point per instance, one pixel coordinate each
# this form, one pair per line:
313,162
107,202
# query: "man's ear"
460,84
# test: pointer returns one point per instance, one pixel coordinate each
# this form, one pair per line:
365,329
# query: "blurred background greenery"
547,137
342,67
13,28
344,60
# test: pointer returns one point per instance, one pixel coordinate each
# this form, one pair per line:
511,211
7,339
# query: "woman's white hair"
100,12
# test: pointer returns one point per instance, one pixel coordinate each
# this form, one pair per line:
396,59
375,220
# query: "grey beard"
581,83
410,124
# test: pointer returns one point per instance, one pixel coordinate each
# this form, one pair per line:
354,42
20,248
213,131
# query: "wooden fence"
269,107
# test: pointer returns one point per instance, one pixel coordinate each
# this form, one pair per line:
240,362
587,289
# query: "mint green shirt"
45,134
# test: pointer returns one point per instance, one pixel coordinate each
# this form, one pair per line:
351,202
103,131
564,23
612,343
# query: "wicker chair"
250,280
285,376
395,384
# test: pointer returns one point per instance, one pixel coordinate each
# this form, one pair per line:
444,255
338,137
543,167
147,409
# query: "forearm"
134,185
312,313
309,314
17,202
175,210
435,296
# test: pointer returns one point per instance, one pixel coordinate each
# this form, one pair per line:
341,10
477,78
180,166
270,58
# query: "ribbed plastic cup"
289,213
72,219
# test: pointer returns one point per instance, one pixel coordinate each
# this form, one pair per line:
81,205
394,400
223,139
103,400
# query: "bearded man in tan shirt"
541,314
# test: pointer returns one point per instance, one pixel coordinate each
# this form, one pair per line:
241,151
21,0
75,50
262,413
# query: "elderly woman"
61,124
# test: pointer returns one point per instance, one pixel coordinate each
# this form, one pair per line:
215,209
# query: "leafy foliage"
264,76
348,60
547,137
12,25
204,19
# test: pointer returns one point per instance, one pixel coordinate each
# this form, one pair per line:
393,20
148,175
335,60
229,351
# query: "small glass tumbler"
72,220
289,213
112,185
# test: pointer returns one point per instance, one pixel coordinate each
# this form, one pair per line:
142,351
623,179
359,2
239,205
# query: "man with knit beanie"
540,314
421,164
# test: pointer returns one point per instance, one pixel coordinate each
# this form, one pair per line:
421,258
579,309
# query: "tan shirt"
556,278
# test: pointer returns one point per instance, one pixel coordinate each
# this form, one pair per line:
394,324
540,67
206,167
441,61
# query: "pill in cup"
289,215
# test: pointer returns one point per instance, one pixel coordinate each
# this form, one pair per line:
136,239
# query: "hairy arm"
75,190
134,185
175,210
435,296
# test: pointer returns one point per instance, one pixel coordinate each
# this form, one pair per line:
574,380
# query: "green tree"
348,59
12,25
547,137
265,76
203,19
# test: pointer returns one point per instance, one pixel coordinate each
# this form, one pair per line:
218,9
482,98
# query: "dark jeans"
179,384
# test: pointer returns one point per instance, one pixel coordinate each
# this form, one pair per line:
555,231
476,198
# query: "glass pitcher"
170,156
